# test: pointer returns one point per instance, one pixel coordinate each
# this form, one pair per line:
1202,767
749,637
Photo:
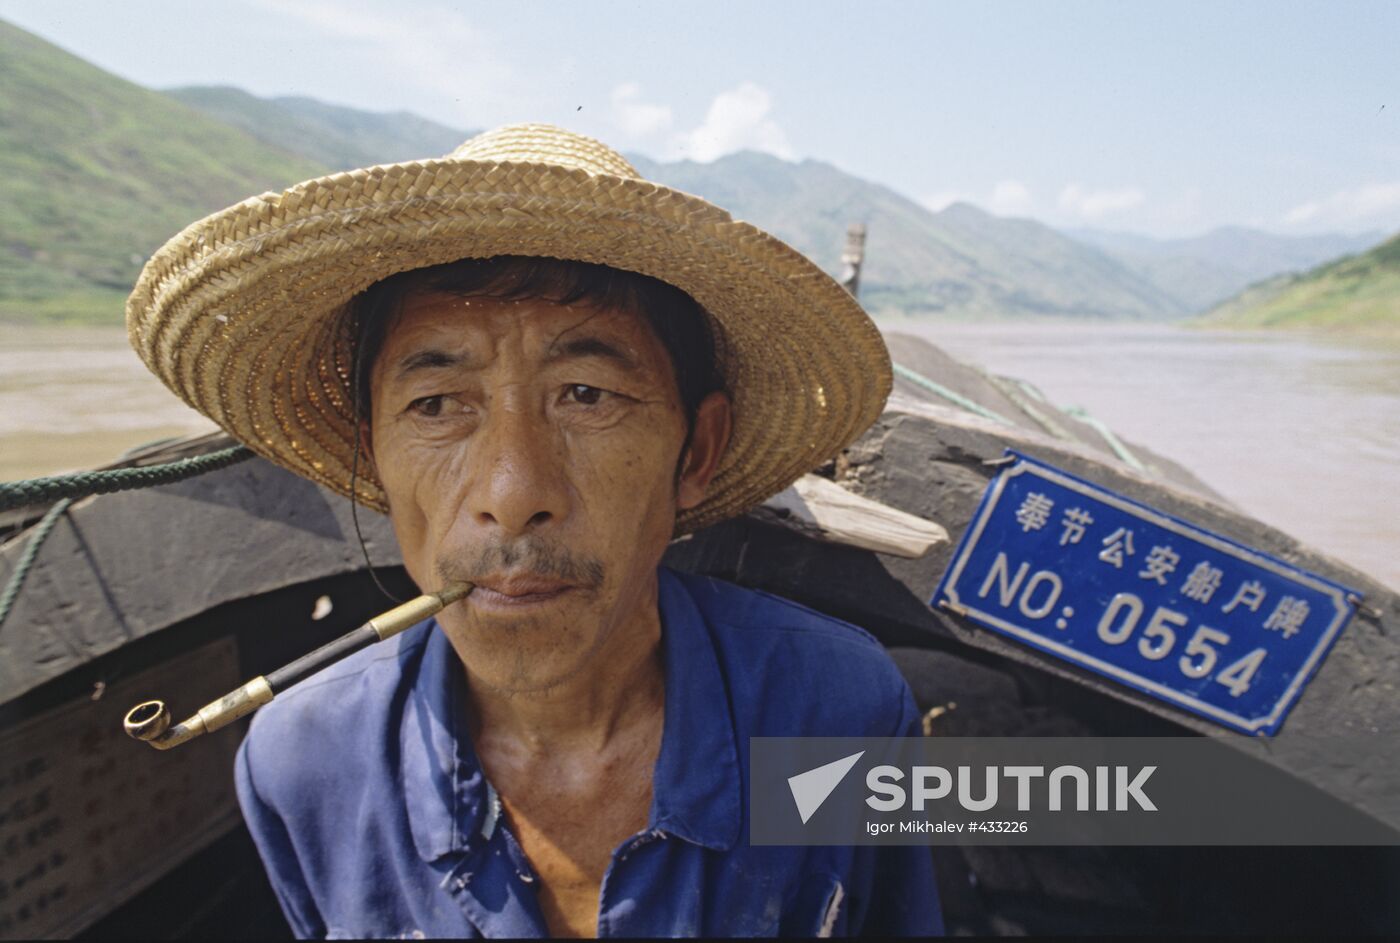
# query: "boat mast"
852,258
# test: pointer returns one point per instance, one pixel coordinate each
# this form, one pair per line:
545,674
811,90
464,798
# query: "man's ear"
708,440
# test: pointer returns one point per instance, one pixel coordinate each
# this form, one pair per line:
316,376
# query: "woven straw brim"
241,314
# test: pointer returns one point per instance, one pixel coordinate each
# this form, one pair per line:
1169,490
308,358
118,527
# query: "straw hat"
241,315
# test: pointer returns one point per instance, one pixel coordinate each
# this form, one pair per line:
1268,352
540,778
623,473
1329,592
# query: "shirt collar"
695,784
443,786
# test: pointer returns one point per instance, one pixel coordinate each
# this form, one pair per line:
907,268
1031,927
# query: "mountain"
96,172
1203,270
338,137
960,262
1355,293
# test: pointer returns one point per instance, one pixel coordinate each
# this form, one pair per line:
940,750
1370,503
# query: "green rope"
1045,421
1119,449
1080,413
30,554
1031,389
951,396
64,489
1011,391
14,494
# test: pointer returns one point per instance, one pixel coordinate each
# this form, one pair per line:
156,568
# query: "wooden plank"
816,507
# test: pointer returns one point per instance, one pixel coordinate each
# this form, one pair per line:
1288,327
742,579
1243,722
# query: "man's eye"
429,406
583,394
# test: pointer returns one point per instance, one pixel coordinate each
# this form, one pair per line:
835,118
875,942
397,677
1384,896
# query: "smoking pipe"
150,721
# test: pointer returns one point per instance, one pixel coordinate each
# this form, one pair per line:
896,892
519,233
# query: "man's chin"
518,659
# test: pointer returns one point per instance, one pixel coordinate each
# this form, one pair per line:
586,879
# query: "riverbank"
72,397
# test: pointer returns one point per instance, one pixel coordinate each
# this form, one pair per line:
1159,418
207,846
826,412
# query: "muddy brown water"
75,397
1300,431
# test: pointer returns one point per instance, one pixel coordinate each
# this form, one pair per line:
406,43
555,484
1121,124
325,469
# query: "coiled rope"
14,494
65,489
31,552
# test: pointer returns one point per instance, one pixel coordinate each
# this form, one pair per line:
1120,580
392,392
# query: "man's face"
533,448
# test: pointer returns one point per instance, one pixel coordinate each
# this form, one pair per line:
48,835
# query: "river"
1301,432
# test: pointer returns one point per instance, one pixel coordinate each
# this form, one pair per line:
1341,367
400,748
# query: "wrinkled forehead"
482,328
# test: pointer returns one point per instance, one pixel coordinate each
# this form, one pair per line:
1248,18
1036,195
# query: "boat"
185,589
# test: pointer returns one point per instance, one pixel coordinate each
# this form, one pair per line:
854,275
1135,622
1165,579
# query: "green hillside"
960,262
1359,293
341,138
95,173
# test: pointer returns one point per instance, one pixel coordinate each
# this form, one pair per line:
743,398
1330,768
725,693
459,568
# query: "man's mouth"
516,591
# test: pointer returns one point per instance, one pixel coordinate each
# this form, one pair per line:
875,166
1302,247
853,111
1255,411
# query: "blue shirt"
373,817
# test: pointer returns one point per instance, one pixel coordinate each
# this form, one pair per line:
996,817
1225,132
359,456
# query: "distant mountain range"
1355,293
1203,270
96,172
960,262
339,138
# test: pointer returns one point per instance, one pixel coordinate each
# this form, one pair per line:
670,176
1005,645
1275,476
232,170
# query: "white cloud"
1095,204
942,199
1374,204
1009,198
635,117
737,119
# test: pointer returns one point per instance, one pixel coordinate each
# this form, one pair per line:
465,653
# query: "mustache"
531,554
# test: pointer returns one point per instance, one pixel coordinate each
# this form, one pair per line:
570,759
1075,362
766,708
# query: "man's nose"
516,471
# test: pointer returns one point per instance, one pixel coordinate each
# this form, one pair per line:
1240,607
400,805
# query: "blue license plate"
1171,609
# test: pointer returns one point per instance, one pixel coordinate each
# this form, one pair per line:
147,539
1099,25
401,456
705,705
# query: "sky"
1165,119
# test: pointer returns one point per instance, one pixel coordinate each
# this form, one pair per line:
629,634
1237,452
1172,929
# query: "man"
544,369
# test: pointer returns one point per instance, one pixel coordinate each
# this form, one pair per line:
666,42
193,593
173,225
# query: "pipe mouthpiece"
147,721
454,591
